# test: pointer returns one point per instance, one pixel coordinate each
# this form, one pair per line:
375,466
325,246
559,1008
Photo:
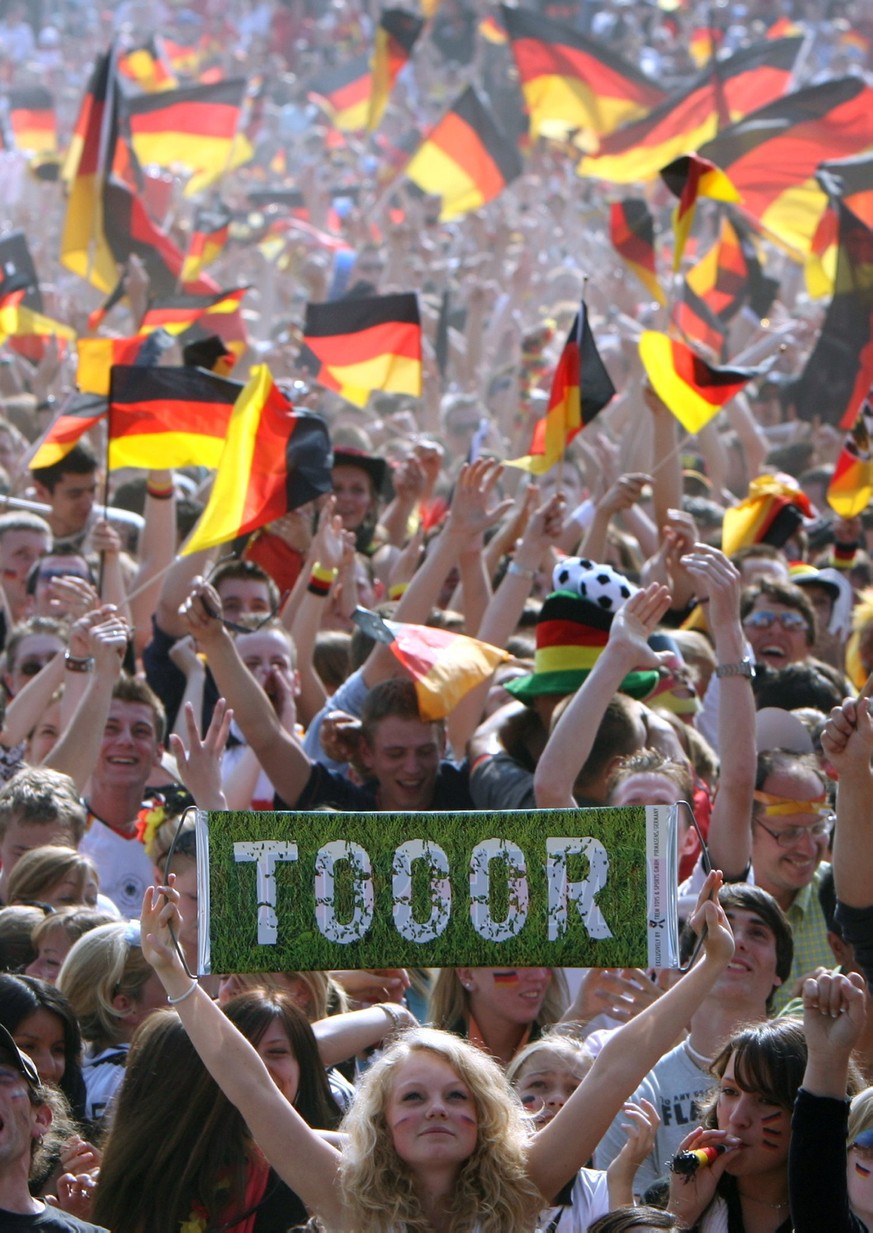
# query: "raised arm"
302,1159
718,584
572,738
563,1146
848,743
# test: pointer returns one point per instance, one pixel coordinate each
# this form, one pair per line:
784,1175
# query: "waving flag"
32,119
632,231
772,512
692,389
851,487
444,666
148,67
343,92
176,313
688,178
466,159
274,460
79,414
358,345
396,35
580,390
210,231
573,82
168,417
696,321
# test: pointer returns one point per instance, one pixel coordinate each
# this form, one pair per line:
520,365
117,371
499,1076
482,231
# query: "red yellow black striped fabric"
192,128
176,313
632,231
771,157
688,178
466,159
851,486
839,371
724,92
852,180
581,388
396,35
344,93
692,389
372,343
721,276
98,356
274,460
572,82
79,415
32,119
695,320
168,417
209,235
148,67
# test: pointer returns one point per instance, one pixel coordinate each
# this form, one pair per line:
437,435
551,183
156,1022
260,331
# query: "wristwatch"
745,667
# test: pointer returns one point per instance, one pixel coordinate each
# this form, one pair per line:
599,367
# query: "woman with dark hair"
745,1189
168,1163
44,1026
635,1220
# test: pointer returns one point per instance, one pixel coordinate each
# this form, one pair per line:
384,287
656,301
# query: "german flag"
192,128
209,235
839,371
359,345
572,82
689,177
696,321
17,271
19,322
632,231
852,180
581,388
692,389
466,160
181,57
168,417
84,247
444,665
344,93
98,356
772,512
177,313
851,487
148,67
274,460
726,91
79,415
771,157
32,120
396,35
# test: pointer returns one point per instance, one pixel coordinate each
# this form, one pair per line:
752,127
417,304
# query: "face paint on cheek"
506,978
860,1170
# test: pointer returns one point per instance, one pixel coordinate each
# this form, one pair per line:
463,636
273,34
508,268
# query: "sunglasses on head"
765,620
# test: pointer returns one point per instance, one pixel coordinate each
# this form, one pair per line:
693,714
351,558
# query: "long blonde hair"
450,1002
493,1192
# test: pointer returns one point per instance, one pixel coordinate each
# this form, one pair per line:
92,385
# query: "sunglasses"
766,620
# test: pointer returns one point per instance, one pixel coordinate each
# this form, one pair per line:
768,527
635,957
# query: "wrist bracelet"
394,1013
321,580
397,590
160,492
78,663
520,571
182,996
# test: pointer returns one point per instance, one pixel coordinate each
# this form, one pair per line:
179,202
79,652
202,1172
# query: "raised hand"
201,612
472,512
834,1013
635,621
716,580
199,764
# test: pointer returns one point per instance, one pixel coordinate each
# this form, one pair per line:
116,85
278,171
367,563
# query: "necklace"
763,1202
700,1060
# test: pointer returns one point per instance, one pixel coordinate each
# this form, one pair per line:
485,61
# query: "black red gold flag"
772,155
367,343
695,320
839,371
466,159
32,119
275,460
581,388
851,487
147,66
396,35
632,231
168,417
728,89
17,270
343,93
210,231
691,388
176,313
688,178
98,356
573,82
79,414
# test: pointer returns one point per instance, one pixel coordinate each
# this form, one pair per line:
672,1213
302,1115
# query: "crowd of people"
656,656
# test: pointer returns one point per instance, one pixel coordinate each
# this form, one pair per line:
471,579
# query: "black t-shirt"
326,787
51,1220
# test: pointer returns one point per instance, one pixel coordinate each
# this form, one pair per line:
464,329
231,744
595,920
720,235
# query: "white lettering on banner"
562,891
326,861
265,853
480,889
440,890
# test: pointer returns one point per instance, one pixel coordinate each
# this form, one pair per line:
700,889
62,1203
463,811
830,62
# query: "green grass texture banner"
553,888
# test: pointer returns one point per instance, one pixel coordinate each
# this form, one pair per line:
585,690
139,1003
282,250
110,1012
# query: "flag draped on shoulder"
632,231
772,155
581,388
396,35
839,371
692,389
851,487
688,178
168,417
79,414
572,82
726,91
359,345
192,129
466,159
274,460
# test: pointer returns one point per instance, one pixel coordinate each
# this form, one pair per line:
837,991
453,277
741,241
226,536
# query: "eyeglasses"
766,620
791,835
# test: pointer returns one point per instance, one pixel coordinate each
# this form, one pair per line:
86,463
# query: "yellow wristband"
322,574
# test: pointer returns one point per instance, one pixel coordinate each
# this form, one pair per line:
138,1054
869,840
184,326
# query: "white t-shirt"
125,870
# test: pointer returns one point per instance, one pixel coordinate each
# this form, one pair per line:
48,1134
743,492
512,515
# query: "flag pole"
102,565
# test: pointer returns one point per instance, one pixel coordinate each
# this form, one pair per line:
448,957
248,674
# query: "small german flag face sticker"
505,977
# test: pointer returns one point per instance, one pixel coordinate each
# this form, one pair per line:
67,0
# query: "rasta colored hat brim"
538,684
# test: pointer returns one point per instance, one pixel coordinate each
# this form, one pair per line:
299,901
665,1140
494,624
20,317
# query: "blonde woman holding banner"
436,1140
